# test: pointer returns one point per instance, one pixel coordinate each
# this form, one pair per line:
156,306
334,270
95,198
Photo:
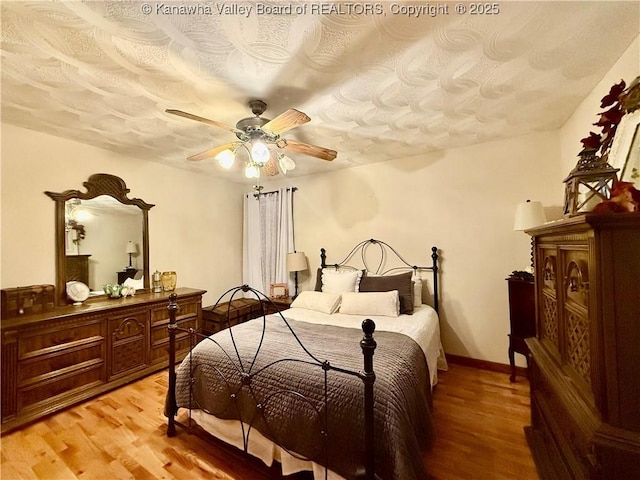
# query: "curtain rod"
260,192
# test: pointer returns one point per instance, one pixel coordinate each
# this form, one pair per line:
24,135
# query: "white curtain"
267,238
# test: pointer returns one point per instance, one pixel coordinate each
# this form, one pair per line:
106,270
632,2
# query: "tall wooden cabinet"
56,359
585,368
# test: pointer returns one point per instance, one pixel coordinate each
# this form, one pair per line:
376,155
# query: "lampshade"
131,248
529,214
296,262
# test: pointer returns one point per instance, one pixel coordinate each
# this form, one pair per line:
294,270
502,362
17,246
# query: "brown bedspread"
264,398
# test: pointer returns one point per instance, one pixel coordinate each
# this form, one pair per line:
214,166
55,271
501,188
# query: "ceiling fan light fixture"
260,152
226,158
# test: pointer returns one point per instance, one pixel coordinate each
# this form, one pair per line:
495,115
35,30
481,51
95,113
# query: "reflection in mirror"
99,233
102,236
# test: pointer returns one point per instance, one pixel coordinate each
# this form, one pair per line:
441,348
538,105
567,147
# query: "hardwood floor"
479,419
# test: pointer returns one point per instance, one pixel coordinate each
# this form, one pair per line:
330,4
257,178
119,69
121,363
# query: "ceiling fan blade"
191,116
311,150
286,121
213,151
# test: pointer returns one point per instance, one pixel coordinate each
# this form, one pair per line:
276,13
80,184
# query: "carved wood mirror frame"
98,184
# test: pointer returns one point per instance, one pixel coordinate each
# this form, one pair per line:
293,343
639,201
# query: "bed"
299,387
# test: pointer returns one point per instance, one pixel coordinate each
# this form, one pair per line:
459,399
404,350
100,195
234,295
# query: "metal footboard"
248,373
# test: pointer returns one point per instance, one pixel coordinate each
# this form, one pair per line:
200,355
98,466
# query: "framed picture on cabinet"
625,150
278,290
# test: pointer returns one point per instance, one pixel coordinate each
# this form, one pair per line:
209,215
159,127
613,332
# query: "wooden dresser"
56,359
585,381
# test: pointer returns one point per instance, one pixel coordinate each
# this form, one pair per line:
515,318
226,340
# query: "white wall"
462,201
195,227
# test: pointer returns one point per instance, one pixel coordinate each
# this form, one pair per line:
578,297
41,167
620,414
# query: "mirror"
101,236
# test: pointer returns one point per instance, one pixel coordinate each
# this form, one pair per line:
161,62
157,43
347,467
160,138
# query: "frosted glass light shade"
259,152
528,214
251,171
285,163
226,158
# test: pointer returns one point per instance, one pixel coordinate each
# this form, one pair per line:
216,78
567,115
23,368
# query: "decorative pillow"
417,291
317,301
338,281
371,303
400,282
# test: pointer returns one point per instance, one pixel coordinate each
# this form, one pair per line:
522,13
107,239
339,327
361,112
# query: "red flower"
592,142
613,95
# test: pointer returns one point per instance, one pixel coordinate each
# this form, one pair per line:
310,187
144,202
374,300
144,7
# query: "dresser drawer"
60,383
49,366
160,315
160,333
59,337
567,421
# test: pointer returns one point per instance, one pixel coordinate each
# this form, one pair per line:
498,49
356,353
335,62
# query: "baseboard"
485,365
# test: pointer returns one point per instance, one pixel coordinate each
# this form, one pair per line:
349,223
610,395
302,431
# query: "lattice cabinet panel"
578,345
549,330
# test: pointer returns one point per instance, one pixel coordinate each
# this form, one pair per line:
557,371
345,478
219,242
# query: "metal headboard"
385,249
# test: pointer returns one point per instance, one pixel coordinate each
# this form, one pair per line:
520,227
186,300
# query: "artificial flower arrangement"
117,291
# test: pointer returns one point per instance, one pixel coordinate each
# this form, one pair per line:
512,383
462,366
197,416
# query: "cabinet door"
577,352
548,321
128,335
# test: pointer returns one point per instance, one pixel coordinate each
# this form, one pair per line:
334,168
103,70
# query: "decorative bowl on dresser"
55,359
585,385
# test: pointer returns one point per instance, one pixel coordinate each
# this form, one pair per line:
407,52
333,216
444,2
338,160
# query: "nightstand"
522,314
273,305
228,314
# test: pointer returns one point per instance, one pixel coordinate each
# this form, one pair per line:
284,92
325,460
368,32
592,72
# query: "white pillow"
318,301
371,303
417,291
338,281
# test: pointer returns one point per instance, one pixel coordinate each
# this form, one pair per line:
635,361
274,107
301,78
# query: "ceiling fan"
255,135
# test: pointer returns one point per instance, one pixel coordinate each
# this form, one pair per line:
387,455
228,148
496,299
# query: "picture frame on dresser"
278,290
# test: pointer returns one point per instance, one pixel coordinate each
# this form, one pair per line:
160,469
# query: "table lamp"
296,262
131,249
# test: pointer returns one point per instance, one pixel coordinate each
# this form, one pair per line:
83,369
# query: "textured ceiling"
377,86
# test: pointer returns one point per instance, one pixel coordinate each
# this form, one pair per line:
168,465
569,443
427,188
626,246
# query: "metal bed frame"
247,374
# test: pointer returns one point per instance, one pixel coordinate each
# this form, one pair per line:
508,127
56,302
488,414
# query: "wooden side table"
274,305
522,316
228,314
